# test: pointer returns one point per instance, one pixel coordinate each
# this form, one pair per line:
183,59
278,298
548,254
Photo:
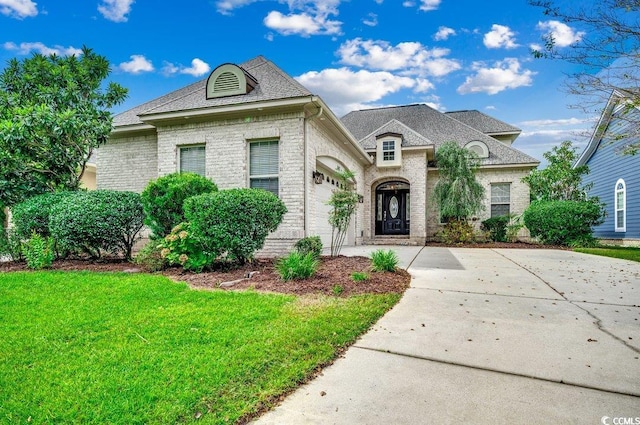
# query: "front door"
392,209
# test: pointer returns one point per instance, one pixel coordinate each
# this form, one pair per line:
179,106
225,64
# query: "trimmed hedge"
234,222
563,222
97,221
33,214
497,227
163,200
310,244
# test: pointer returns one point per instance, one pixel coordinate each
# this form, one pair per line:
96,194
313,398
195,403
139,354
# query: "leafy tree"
343,203
54,111
606,54
559,181
458,194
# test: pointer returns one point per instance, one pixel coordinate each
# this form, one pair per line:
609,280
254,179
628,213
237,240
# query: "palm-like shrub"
297,266
384,261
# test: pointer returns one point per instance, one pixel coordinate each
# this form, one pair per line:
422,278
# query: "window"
263,166
621,206
500,199
192,159
480,148
389,150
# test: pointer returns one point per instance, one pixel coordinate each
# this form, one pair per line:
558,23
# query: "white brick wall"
127,163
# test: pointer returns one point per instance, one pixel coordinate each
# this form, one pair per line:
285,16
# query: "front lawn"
622,252
80,347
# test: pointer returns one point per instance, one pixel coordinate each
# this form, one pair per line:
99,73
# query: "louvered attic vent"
229,80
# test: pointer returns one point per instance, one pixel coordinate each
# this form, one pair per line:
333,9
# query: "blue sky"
450,54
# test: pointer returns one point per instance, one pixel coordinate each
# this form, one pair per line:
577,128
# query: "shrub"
497,227
38,251
457,231
10,244
382,261
310,244
96,221
33,214
563,222
163,200
180,247
149,257
297,266
359,276
234,222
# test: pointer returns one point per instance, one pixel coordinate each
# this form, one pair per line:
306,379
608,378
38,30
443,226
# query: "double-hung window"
263,165
192,159
500,199
621,206
389,150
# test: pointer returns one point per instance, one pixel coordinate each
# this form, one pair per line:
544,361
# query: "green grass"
80,347
622,252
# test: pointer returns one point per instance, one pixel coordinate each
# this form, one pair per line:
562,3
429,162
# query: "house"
252,125
615,173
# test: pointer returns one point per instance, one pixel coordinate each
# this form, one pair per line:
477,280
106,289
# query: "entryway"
392,208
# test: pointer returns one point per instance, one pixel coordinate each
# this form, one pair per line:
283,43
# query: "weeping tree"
457,194
343,203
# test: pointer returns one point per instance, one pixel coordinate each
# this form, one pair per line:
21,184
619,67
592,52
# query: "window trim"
616,208
251,177
198,145
389,149
491,203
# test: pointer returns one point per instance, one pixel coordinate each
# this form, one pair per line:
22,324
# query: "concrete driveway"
490,336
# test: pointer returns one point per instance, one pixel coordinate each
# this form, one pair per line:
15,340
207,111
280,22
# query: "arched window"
620,203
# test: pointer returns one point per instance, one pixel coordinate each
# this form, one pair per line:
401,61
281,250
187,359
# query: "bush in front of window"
163,200
566,223
97,221
497,227
234,223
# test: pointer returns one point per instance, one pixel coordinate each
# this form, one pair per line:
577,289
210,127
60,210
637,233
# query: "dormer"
480,148
229,80
389,150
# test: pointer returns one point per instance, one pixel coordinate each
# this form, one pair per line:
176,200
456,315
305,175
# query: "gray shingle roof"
410,138
483,122
273,84
433,126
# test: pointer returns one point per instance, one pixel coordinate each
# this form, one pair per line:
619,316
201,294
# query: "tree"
343,203
458,194
606,53
54,112
559,181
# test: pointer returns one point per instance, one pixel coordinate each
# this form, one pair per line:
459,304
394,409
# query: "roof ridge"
403,125
175,98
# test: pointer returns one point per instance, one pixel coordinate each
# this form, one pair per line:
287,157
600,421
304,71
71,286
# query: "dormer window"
229,80
388,150
479,148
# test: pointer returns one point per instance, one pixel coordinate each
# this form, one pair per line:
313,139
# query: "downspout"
306,167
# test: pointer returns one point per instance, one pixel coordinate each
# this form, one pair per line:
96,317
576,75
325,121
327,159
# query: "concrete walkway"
489,336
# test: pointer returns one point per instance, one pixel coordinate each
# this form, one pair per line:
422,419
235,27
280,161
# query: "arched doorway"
393,208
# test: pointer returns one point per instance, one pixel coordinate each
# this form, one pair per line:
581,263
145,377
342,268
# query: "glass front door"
392,209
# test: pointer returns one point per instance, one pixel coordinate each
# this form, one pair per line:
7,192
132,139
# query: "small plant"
457,232
359,276
384,261
181,248
514,227
497,227
150,258
297,266
10,244
39,252
337,290
310,244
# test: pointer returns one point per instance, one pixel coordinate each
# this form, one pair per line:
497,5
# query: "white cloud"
409,57
500,36
136,65
26,48
556,122
444,33
563,35
301,23
423,85
371,20
503,75
379,1
198,68
408,3
115,10
490,108
226,6
18,8
345,90
427,5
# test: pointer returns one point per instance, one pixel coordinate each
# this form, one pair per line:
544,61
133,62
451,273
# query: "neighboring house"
254,126
614,174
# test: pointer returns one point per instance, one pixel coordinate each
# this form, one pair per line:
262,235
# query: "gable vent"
227,81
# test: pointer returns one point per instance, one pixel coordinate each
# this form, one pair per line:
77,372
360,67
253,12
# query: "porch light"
318,177
361,199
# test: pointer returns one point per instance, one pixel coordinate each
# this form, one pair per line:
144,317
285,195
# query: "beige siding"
127,163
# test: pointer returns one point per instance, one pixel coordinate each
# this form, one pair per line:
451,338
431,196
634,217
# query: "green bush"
235,222
563,222
10,244
150,258
180,247
384,261
163,200
497,227
310,244
38,251
457,232
297,266
33,214
97,221
359,276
